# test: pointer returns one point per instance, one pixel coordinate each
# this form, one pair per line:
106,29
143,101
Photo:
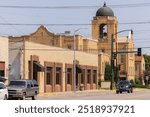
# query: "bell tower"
104,24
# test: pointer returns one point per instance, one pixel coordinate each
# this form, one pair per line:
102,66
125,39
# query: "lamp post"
112,55
74,56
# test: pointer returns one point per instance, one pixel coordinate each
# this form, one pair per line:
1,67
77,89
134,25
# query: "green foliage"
139,86
107,72
147,62
137,81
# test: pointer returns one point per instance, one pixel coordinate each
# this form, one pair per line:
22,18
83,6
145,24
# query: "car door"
1,91
29,88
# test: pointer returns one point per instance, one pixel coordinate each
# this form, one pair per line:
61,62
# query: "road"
140,94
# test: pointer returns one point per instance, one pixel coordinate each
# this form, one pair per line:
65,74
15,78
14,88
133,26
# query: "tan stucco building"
139,67
49,57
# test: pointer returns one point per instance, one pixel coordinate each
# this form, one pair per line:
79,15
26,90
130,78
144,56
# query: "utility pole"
112,56
74,56
112,63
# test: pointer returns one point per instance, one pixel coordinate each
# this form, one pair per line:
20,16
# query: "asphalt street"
138,94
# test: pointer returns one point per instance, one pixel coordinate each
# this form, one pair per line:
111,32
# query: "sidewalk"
85,92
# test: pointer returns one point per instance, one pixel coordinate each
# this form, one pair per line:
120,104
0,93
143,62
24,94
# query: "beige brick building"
139,67
48,57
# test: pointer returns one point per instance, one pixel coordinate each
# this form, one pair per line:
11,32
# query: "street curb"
87,92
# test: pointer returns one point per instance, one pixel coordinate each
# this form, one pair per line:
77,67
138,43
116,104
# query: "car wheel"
128,91
117,92
131,91
34,97
23,96
5,97
120,91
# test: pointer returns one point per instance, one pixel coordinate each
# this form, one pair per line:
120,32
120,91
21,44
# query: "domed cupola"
104,11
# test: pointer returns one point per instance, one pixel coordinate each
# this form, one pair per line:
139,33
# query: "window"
18,83
103,31
94,76
69,75
41,33
2,73
103,67
103,50
2,68
82,76
58,76
136,67
49,75
122,58
69,47
88,76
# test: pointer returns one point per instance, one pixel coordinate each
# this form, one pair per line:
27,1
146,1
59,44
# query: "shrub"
139,86
132,82
137,81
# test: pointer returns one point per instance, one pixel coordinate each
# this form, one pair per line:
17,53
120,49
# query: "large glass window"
82,76
88,76
94,76
122,58
69,75
48,75
58,75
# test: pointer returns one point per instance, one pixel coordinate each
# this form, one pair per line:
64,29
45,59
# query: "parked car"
23,89
3,79
3,91
124,86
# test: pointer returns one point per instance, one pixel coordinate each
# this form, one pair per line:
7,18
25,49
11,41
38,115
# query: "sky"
81,15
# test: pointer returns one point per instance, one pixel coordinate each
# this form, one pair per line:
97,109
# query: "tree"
147,62
147,69
107,72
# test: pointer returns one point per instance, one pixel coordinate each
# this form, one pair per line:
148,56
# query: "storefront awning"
38,67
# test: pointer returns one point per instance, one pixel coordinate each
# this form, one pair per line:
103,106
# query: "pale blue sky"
74,16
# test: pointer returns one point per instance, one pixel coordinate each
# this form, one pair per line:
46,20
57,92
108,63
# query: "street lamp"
74,54
112,55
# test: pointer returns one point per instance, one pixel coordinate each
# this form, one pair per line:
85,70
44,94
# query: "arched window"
103,31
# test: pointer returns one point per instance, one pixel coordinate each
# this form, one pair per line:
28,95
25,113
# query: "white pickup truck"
23,89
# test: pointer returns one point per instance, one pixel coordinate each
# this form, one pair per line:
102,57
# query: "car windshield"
17,83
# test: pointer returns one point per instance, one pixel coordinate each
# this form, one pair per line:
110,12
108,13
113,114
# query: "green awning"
38,67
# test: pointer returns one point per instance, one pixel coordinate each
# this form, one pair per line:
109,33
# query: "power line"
27,24
65,49
71,24
12,26
78,7
146,22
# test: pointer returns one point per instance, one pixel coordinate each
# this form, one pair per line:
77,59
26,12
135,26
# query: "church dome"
104,11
